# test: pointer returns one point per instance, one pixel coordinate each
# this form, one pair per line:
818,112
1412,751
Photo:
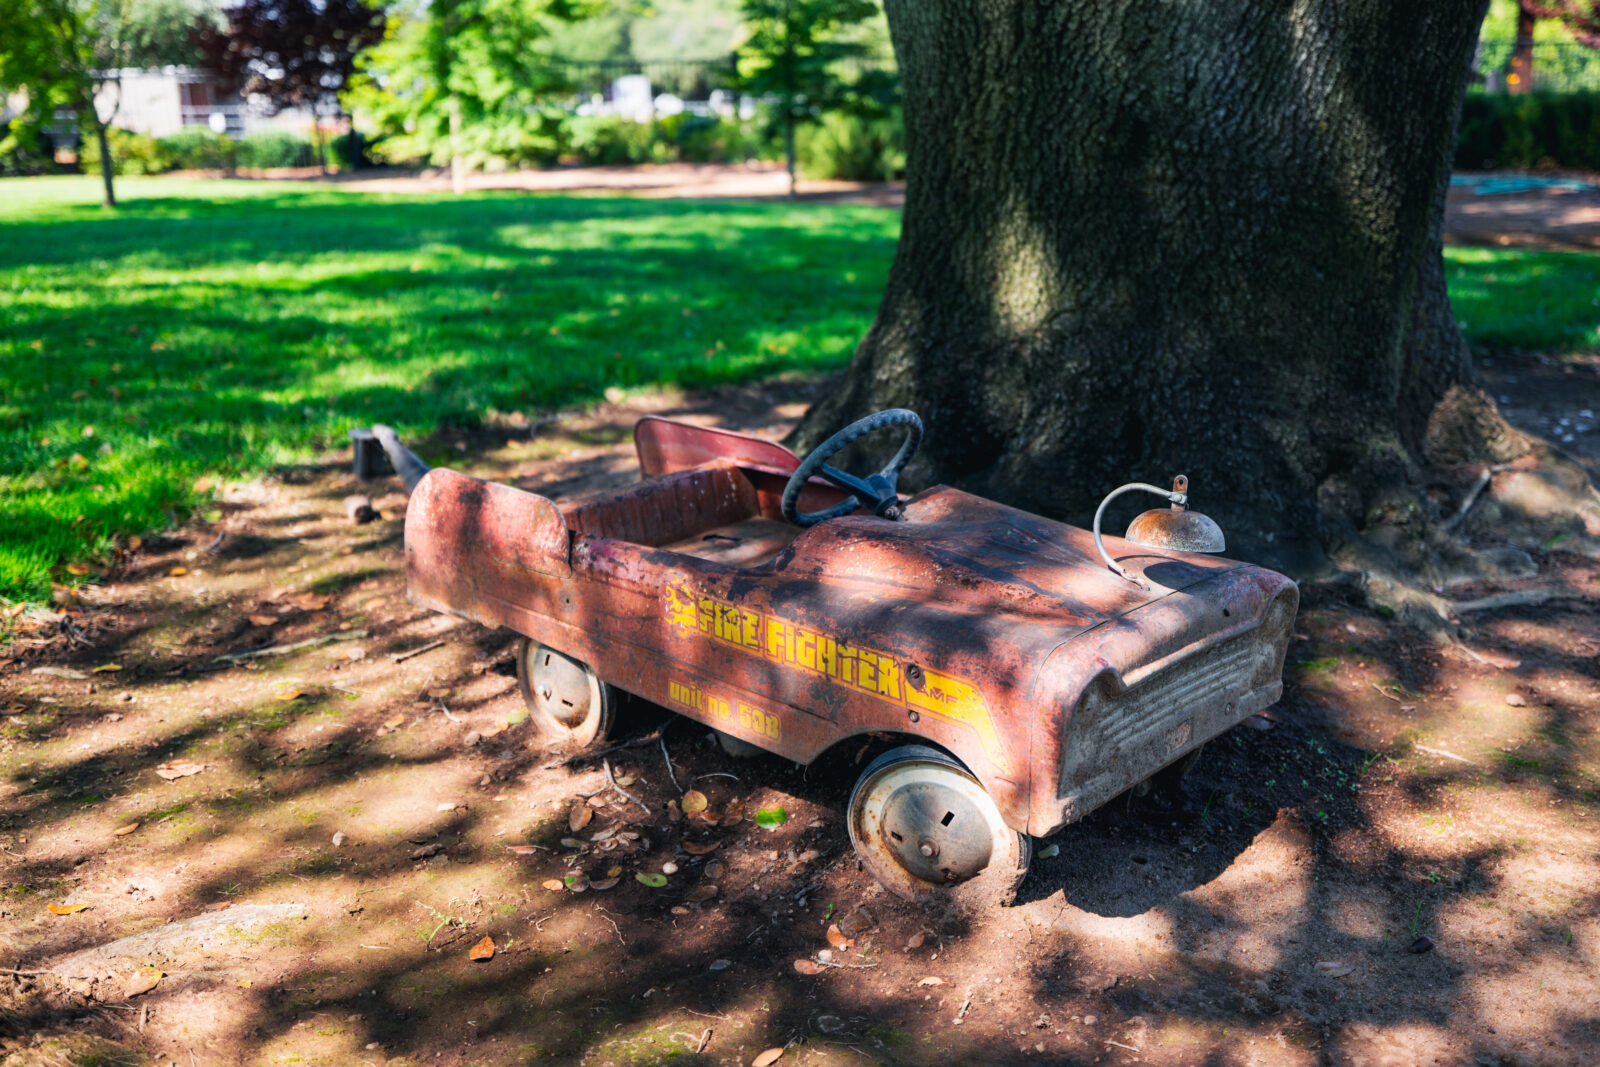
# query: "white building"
162,101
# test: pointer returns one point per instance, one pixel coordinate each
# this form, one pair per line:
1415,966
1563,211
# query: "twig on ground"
342,689
607,917
625,794
704,1039
965,1004
1446,755
706,1015
1385,693
284,650
401,657
1471,498
144,1016
580,757
445,711
1525,598
670,772
216,543
716,774
1119,1044
850,967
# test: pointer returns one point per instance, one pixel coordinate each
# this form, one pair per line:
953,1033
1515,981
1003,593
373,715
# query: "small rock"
1042,1022
1516,700
114,717
1049,852
447,806
1420,945
339,839
1259,722
359,510
427,850
825,955
810,855
669,868
720,965
472,738
125,698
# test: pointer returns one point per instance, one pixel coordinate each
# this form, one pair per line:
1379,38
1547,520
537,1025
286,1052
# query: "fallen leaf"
523,850
1334,968
716,869
837,939
809,967
580,815
701,893
916,939
142,981
932,980
695,848
614,871
310,601
655,881
124,831
105,668
77,568
768,1057
771,818
263,620
483,950
679,909
395,722
694,801
733,814
178,572
673,814
624,780
516,715
604,883
68,909
135,543
555,885
179,768
710,818
855,922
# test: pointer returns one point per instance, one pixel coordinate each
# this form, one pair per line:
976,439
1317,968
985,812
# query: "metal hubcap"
561,687
936,832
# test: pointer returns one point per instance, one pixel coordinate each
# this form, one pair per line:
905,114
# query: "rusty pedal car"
1028,670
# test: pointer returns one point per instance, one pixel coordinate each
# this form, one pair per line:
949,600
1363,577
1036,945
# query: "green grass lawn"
227,327
219,328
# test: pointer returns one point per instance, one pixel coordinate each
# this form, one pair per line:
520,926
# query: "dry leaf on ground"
701,893
695,848
179,768
604,883
142,981
733,814
78,568
123,831
483,950
523,850
932,980
310,601
287,695
263,620
68,909
580,815
809,967
178,572
694,801
107,667
394,723
555,885
837,939
1334,968
916,939
768,1057
855,922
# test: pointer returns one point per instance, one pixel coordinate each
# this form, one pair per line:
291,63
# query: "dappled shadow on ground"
1265,909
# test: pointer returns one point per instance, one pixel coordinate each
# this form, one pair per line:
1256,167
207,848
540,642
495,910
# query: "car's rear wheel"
569,706
924,826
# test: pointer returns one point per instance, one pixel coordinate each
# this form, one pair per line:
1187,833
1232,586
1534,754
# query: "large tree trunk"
1148,239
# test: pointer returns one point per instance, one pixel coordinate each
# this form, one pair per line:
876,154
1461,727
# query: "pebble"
472,738
1516,700
1089,1020
338,839
125,697
669,868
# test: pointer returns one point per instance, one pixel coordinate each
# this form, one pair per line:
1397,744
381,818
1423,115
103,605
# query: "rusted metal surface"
1176,527
991,632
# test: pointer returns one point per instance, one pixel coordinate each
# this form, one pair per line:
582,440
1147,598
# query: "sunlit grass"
1506,298
219,328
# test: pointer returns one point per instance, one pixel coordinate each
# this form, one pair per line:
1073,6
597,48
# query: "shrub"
350,151
274,148
1529,130
851,148
199,148
26,155
611,139
131,153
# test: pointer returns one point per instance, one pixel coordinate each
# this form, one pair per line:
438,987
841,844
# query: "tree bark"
1142,240
1521,74
458,165
107,166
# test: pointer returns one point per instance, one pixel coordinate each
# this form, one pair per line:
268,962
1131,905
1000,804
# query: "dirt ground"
1396,865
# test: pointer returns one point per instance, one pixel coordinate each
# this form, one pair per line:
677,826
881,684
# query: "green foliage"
199,148
28,154
131,153
159,31
853,148
801,51
275,148
348,151
227,328
1529,130
468,79
608,140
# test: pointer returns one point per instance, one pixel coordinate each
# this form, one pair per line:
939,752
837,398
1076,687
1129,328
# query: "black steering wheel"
875,492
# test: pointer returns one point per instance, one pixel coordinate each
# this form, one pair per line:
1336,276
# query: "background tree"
1138,242
1580,18
293,53
461,80
66,55
161,33
798,51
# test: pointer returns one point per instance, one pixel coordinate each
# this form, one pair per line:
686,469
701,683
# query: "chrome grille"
1137,732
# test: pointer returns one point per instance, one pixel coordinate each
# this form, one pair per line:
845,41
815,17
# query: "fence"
1549,67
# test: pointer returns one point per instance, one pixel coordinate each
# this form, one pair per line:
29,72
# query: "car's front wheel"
923,825
569,706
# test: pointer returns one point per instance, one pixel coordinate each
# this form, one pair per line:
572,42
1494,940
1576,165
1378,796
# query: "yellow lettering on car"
864,670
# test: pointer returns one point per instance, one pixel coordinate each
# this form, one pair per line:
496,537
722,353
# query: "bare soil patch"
1397,864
